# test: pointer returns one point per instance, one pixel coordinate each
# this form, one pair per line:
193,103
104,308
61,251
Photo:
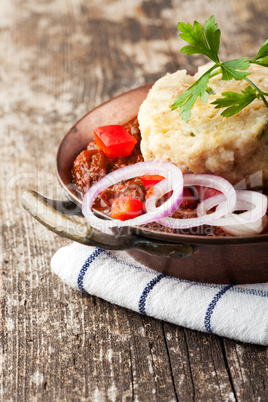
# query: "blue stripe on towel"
253,292
82,273
146,292
212,305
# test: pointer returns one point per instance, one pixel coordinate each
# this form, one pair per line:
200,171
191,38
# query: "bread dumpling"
235,147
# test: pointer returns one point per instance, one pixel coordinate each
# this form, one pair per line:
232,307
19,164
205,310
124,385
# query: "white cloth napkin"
237,312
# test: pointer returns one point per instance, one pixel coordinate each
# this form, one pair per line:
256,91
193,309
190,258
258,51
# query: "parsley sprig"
207,42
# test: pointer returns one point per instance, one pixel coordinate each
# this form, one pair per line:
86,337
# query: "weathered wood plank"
60,59
202,357
248,370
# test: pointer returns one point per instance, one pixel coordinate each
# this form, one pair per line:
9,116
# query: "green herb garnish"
207,42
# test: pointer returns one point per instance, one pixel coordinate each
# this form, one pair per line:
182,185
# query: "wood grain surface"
59,59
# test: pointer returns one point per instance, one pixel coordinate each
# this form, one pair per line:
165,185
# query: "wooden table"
59,59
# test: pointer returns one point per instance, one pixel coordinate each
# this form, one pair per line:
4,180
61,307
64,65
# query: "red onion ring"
174,181
249,229
251,221
215,182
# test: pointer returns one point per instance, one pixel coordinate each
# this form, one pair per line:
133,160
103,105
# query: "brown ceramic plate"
209,259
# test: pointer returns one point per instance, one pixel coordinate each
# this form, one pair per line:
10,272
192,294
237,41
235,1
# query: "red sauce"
92,164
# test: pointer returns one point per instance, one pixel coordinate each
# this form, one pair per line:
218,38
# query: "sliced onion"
174,181
205,180
249,222
248,229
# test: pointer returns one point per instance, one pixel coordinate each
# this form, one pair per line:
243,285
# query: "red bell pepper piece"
124,208
149,180
114,140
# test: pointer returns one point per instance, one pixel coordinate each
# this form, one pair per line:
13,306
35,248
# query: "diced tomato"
149,180
124,208
189,200
206,192
114,141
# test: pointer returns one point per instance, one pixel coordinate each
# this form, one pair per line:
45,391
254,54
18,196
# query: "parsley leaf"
235,102
186,100
262,62
207,42
230,69
262,53
262,56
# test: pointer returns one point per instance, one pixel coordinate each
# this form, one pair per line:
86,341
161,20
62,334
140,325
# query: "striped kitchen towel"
235,311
